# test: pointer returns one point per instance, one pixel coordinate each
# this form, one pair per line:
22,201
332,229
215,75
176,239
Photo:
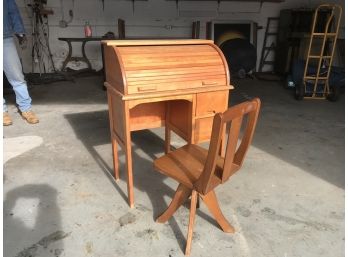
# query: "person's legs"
4,105
6,120
14,74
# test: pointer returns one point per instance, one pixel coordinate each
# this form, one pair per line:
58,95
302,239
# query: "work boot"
7,121
30,117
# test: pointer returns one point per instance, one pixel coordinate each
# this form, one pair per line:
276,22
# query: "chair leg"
191,221
211,201
198,203
181,195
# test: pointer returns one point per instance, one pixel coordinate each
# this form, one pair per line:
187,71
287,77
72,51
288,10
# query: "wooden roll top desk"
179,84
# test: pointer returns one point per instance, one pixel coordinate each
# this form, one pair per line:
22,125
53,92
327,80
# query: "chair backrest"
234,153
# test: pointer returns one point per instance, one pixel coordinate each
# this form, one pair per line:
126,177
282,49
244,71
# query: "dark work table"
82,40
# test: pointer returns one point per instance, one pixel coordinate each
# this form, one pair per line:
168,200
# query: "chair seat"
186,164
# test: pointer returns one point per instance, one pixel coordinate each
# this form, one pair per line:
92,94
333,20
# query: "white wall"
155,18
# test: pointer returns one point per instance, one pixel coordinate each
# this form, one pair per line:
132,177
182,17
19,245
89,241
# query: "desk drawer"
209,103
167,83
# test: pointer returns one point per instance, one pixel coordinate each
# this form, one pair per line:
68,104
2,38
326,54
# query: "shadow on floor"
308,134
85,90
22,225
145,146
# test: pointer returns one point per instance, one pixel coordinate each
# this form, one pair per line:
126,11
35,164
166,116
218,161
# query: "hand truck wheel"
299,91
334,94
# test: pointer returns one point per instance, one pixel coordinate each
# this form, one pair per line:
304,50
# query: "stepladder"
269,44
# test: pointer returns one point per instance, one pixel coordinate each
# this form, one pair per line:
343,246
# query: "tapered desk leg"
167,140
128,152
167,130
129,169
115,158
113,139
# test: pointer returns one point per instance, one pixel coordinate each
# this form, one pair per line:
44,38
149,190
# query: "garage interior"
60,194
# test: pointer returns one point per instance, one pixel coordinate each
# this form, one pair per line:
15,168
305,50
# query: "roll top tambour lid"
171,65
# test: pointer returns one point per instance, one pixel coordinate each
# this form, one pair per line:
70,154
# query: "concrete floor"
60,199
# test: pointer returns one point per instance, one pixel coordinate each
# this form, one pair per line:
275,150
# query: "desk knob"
208,83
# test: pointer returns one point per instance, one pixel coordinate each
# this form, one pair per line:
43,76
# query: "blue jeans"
14,74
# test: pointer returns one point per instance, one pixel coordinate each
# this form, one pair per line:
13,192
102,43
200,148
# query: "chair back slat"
213,153
247,138
234,156
231,147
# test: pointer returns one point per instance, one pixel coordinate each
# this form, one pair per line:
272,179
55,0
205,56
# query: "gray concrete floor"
60,199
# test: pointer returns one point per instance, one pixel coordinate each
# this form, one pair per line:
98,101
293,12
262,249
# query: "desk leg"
129,169
192,121
167,139
113,138
68,57
85,56
115,156
167,130
128,152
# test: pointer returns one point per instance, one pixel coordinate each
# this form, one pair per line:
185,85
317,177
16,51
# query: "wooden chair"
199,170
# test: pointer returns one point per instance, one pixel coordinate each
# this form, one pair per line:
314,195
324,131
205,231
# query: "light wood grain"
113,62
200,171
206,103
191,222
152,83
182,193
203,127
156,42
211,201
